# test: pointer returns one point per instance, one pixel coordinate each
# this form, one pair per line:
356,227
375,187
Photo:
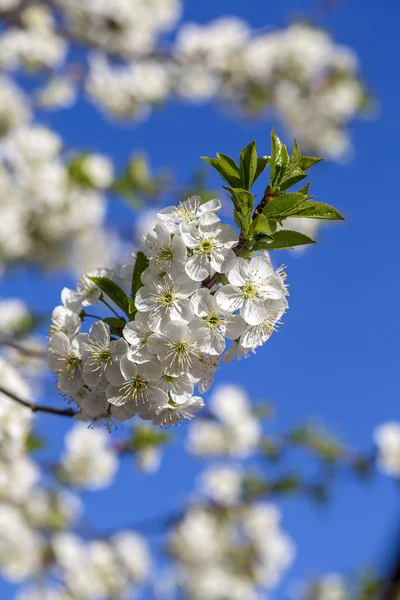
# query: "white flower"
164,251
211,242
87,292
20,546
205,371
165,300
222,484
180,347
137,387
99,353
88,461
13,314
174,410
187,212
93,405
17,478
66,321
220,323
251,284
236,351
136,333
387,439
98,169
65,359
133,555
178,386
257,335
236,433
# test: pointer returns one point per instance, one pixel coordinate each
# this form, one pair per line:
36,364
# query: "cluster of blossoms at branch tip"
178,334
299,71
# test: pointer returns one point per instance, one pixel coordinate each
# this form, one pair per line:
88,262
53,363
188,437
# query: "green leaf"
318,210
284,204
305,189
141,264
113,291
114,322
284,239
225,169
243,202
279,159
116,325
261,225
248,165
229,164
309,161
243,222
34,442
147,437
293,173
262,164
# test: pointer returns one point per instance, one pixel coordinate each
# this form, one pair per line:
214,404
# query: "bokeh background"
335,360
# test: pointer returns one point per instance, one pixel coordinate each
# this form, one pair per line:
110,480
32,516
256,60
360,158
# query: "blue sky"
336,358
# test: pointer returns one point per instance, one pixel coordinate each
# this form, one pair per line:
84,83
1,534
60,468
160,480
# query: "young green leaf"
284,239
309,161
248,165
114,292
262,164
284,205
116,325
243,201
227,160
114,322
261,225
279,159
318,210
225,169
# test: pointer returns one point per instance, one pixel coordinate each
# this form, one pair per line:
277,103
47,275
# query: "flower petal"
197,267
253,311
229,298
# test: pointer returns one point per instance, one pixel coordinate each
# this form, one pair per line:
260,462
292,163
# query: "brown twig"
64,412
22,349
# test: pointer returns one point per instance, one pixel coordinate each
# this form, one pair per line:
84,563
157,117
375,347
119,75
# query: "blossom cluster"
233,554
36,517
182,322
299,71
46,215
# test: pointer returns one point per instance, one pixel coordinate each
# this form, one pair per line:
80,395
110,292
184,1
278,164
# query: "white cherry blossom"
136,334
165,300
251,283
187,212
220,323
65,359
180,347
66,321
173,411
257,335
136,386
211,243
99,353
164,251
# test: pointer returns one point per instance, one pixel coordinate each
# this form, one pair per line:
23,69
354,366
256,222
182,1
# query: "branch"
64,412
22,349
